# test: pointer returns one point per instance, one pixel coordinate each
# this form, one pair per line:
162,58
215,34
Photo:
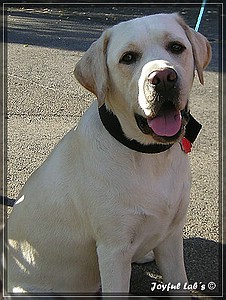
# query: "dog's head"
143,70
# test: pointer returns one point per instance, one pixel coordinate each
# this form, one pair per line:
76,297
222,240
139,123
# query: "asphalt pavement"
45,102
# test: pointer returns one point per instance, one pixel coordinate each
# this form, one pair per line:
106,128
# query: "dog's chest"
139,196
158,181
156,197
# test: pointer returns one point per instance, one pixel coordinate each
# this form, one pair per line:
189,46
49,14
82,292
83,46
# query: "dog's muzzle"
167,126
166,121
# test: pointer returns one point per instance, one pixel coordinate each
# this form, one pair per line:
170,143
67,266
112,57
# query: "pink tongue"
167,123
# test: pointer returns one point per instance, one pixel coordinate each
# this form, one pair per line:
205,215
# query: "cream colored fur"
95,206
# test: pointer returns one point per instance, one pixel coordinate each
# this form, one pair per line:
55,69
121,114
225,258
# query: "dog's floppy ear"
91,70
201,48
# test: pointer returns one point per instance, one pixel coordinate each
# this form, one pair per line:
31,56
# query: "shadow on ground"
202,267
75,27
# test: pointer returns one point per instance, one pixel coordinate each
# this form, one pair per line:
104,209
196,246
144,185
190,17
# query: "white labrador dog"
117,186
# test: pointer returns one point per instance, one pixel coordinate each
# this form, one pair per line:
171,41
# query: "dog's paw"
147,258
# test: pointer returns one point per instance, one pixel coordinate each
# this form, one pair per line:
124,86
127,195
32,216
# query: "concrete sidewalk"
45,102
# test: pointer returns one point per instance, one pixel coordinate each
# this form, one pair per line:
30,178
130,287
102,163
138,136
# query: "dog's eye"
176,48
129,58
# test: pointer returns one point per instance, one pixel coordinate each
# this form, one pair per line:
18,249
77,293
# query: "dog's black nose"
163,79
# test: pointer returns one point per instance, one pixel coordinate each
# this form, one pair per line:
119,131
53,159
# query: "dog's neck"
111,123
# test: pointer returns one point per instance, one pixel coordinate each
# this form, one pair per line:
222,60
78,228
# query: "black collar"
111,123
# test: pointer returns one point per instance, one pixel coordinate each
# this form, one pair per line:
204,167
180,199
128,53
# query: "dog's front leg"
170,260
115,269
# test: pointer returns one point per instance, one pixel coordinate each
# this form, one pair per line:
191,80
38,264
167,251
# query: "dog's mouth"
166,126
